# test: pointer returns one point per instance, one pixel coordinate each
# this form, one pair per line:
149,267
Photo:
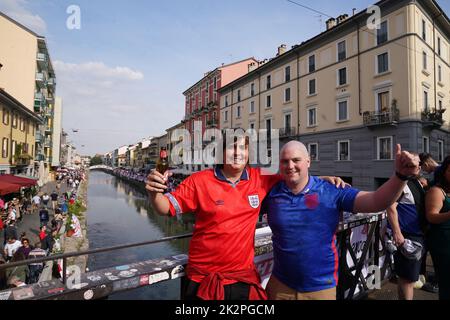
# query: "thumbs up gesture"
406,163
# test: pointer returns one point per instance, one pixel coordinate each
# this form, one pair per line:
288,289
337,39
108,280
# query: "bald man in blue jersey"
303,213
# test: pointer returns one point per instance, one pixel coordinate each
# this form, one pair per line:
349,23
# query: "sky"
122,74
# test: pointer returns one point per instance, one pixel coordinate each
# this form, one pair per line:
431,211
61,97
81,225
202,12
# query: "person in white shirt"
11,247
36,202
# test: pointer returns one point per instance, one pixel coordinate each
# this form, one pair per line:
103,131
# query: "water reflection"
120,213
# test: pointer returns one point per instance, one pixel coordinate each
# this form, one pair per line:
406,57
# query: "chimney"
281,50
252,66
330,23
342,18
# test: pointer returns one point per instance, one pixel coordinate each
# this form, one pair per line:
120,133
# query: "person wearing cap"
227,202
408,223
303,213
437,207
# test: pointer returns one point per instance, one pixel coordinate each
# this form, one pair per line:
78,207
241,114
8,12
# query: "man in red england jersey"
227,202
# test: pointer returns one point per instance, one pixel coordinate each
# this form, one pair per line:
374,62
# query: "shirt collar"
219,175
305,190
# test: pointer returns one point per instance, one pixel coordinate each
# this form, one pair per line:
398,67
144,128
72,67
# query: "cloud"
18,10
98,70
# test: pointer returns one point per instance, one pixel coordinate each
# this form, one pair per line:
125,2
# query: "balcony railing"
214,123
40,79
39,137
48,130
433,118
385,117
42,59
288,132
40,157
51,82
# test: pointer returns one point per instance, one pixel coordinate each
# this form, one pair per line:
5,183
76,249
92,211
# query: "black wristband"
402,177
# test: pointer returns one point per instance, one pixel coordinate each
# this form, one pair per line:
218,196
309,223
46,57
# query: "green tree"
95,161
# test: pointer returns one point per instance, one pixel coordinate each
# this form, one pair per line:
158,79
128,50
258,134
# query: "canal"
119,213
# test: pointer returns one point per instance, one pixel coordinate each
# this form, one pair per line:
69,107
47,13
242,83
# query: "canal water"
119,213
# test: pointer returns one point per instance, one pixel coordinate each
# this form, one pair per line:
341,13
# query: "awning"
7,188
21,182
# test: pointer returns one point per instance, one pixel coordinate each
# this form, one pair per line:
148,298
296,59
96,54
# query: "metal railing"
288,132
387,116
434,117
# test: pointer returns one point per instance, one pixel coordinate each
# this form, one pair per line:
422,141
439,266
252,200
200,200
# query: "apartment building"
142,152
352,93
28,75
202,100
18,135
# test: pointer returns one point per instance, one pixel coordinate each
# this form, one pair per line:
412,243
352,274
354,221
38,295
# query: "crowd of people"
303,212
52,210
131,174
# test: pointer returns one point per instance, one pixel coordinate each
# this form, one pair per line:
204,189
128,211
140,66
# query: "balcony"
50,98
39,137
40,79
433,119
288,132
214,123
40,157
51,82
48,143
42,60
212,104
48,130
385,117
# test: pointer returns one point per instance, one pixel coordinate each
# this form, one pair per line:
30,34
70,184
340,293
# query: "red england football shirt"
226,216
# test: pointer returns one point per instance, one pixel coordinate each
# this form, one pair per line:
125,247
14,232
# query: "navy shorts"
406,268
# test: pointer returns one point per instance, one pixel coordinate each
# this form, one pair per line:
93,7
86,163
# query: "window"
252,106
226,101
383,63
312,87
239,96
32,151
342,76
424,60
383,101
439,73
312,117
268,82
14,120
384,148
382,33
312,63
287,95
252,126
215,83
440,104
238,112
342,112
440,150
342,54
22,125
425,101
5,117
287,74
226,116
215,117
5,148
344,150
426,144
424,30
269,130
287,121
313,149
252,89
13,147
268,101
439,46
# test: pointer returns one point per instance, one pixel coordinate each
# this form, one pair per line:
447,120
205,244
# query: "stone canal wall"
74,244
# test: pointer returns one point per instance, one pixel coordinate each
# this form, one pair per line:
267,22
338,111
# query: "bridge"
102,168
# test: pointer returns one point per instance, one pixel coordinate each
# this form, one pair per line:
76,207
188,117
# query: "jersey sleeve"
184,198
346,199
